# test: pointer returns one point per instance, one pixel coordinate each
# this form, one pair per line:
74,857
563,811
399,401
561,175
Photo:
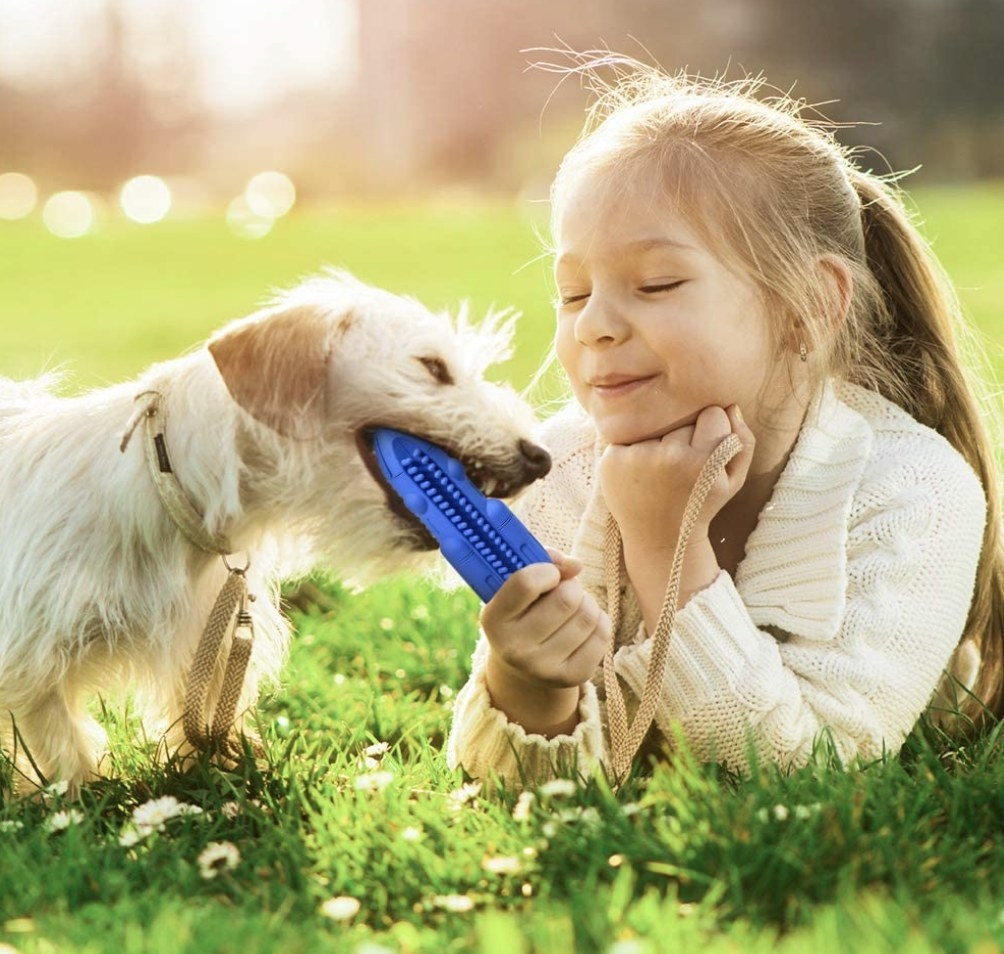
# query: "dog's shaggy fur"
265,428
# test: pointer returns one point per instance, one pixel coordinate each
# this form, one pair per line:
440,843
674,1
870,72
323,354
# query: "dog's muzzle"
537,461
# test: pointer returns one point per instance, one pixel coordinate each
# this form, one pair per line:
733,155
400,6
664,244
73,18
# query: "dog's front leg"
58,741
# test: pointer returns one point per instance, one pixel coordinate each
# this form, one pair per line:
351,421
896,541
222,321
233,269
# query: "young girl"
724,268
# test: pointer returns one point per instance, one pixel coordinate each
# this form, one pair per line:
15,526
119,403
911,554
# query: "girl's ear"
275,367
836,277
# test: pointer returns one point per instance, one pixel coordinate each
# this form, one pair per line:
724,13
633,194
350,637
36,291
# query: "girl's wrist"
700,569
649,573
541,710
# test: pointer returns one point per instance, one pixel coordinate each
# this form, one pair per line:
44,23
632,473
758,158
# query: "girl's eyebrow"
654,244
638,245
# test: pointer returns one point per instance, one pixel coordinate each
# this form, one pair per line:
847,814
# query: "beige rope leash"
229,612
625,737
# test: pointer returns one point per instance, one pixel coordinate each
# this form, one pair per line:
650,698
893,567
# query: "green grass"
105,307
906,854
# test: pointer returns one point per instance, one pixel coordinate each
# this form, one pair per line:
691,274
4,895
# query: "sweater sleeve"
749,674
484,742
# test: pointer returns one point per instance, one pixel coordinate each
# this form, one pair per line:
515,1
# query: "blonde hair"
777,194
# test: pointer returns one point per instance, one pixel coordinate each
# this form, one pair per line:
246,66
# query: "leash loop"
627,736
228,615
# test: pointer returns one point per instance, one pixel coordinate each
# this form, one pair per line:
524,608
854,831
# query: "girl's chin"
621,432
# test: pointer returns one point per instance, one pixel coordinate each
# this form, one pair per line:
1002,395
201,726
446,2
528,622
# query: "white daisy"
524,805
558,788
455,903
502,865
373,781
154,814
342,908
218,857
60,821
459,797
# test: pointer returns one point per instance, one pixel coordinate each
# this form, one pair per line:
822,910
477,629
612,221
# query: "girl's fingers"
522,590
712,426
576,645
567,566
740,428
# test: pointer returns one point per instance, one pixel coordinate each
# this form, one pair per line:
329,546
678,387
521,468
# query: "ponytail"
919,367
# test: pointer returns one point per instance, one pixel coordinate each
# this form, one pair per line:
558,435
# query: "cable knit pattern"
843,614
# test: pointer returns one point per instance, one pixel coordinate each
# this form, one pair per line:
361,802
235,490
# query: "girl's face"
652,325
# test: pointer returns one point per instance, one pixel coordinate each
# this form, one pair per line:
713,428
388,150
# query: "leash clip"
241,570
243,624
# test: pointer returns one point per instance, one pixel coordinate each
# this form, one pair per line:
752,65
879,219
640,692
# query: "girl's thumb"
567,566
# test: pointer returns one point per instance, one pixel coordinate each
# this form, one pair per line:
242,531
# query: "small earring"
803,352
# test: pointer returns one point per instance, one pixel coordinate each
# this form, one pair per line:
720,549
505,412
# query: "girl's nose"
599,323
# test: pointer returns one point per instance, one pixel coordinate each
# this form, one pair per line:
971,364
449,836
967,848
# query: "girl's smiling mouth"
618,385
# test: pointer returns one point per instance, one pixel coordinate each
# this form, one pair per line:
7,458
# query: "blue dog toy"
480,537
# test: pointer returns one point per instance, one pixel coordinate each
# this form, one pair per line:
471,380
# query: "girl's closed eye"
571,298
653,288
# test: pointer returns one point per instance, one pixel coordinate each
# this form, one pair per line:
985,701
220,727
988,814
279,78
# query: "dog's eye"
438,369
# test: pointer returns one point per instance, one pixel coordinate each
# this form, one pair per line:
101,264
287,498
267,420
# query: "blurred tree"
966,89
439,88
116,119
443,93
441,83
926,76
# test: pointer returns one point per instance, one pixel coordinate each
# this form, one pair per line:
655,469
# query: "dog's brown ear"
276,368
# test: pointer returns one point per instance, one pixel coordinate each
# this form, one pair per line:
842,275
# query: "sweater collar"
794,575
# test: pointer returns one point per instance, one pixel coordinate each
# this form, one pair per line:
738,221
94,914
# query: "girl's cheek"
564,349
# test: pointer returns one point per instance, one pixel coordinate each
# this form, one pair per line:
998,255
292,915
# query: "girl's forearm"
649,574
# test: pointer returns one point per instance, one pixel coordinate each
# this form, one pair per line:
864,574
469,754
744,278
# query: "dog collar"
184,514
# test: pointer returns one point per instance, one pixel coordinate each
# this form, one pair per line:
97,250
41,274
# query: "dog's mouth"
490,482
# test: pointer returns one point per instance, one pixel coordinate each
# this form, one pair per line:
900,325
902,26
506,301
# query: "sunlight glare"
145,199
244,222
18,195
270,194
68,214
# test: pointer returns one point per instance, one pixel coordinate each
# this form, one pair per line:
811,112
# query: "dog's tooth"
488,488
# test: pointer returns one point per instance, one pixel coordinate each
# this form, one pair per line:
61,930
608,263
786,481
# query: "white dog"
116,506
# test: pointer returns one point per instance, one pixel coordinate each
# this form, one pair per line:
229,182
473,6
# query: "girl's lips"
619,385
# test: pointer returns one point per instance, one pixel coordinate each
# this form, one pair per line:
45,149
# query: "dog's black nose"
538,460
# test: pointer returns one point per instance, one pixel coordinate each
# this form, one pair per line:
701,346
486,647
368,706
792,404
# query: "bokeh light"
18,195
68,214
270,194
245,222
145,199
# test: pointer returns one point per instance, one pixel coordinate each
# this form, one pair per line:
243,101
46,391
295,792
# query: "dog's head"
334,358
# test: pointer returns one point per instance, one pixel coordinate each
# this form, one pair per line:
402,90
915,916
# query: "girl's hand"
547,637
646,486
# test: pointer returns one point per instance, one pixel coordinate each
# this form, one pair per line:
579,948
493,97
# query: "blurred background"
265,121
388,96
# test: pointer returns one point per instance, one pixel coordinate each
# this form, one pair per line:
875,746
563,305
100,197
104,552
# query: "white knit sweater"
843,614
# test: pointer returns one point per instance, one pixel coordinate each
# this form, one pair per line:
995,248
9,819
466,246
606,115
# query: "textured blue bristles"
480,537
